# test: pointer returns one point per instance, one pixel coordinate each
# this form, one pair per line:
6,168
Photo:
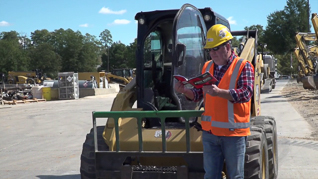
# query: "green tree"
287,63
10,36
88,57
68,44
117,52
282,26
106,40
235,42
12,54
44,57
41,36
131,54
260,35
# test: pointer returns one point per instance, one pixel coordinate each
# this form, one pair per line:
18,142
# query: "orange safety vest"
222,117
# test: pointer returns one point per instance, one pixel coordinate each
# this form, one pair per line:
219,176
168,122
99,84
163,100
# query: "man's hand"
212,90
179,87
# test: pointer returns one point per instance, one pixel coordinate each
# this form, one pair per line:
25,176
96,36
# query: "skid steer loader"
159,138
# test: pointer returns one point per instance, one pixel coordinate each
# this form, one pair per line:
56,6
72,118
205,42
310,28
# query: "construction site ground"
44,140
304,101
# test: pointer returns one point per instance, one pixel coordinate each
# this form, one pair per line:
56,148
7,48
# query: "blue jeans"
216,149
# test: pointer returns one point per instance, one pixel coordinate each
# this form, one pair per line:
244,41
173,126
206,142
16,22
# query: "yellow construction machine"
112,78
99,77
268,66
269,69
122,76
307,67
24,77
307,56
154,132
314,20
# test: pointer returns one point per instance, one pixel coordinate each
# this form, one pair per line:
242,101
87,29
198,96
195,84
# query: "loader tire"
88,153
268,124
256,155
265,71
10,82
30,81
273,84
271,137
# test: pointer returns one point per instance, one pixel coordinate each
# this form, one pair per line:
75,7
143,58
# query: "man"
225,122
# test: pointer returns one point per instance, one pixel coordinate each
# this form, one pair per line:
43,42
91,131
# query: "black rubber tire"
10,82
273,84
268,124
256,152
88,153
264,68
30,81
271,136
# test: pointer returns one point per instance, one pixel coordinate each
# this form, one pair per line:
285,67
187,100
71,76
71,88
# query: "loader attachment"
309,82
142,163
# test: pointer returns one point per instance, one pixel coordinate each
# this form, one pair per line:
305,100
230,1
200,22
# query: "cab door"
189,33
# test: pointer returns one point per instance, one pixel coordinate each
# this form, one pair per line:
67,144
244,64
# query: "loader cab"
170,42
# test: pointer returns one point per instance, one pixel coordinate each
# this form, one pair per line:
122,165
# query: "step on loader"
152,131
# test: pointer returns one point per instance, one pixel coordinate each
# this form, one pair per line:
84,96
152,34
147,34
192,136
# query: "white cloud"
84,25
120,22
231,21
109,11
4,23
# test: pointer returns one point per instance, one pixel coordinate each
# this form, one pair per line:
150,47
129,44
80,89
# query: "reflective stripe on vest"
207,118
230,106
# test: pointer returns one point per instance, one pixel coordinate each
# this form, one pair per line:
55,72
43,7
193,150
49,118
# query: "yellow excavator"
152,131
307,56
307,66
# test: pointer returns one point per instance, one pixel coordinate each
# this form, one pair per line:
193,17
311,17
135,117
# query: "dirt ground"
304,101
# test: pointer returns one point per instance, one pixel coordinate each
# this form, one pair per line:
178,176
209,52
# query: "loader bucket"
308,82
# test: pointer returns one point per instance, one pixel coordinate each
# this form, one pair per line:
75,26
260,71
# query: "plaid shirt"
245,84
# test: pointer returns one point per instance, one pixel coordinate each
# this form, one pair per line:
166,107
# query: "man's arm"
191,94
213,90
245,85
244,90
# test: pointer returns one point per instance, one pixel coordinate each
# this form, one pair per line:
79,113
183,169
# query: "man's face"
220,54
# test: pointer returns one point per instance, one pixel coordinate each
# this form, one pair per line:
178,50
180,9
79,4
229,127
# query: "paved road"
297,150
44,140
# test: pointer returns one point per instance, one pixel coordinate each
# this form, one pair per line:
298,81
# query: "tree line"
67,50
63,51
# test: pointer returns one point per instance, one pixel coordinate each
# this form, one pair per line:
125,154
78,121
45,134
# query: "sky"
118,16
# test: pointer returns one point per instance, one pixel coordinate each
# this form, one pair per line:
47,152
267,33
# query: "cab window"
152,49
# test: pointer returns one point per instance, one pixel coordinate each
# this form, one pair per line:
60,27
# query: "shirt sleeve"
245,85
197,93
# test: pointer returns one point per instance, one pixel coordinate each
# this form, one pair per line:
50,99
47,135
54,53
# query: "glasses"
215,48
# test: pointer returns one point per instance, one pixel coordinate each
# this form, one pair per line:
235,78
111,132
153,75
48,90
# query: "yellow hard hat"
217,35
